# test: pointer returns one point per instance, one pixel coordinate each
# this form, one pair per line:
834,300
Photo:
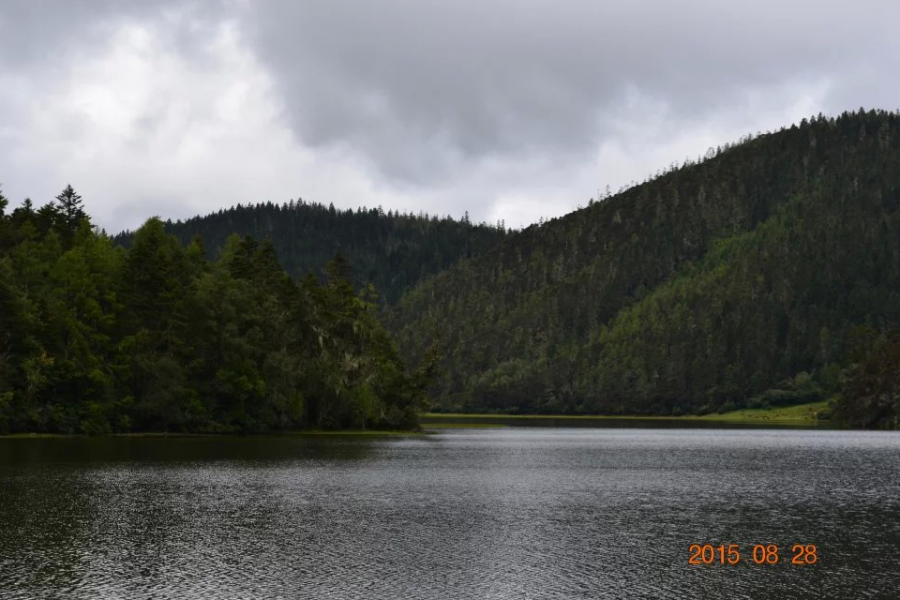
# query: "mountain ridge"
391,250
526,319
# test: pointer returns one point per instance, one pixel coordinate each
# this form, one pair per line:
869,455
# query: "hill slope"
393,251
696,291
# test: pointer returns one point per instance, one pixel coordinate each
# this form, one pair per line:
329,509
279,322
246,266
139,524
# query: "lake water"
467,513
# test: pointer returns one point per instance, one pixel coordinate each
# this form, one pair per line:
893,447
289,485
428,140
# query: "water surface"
481,514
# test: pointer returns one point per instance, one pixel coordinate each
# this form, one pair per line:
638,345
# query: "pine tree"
71,209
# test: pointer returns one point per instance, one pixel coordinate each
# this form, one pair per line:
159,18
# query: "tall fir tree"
71,210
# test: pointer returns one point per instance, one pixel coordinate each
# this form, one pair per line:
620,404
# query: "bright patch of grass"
800,412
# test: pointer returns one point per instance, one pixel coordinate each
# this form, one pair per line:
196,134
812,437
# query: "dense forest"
739,279
765,273
392,251
97,339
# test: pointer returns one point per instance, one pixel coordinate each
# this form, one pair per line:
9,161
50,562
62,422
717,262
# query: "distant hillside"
391,250
741,279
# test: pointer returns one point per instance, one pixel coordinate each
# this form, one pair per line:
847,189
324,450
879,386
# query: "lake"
516,513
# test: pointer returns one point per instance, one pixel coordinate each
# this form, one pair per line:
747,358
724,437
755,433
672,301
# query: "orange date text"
757,554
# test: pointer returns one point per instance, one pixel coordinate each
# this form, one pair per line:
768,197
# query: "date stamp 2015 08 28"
760,554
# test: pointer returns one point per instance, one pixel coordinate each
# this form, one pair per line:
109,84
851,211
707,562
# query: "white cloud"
139,130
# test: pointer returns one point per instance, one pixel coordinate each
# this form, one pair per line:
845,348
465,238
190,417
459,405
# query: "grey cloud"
473,79
46,34
463,103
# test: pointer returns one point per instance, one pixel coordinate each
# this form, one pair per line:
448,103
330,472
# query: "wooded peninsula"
97,339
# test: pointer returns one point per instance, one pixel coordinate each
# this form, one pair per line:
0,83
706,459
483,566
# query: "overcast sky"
506,109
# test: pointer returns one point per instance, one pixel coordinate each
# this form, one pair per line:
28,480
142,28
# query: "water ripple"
469,514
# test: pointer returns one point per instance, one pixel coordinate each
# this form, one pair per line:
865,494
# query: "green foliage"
70,210
802,389
870,395
708,287
393,251
95,339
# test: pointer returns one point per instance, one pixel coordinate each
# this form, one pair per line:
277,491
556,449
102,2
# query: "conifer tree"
71,210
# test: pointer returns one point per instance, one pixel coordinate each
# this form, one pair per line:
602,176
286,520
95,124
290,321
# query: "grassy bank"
802,414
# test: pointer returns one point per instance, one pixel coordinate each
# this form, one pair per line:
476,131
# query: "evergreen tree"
71,209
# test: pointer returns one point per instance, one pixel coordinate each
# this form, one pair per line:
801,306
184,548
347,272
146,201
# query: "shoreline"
273,434
801,414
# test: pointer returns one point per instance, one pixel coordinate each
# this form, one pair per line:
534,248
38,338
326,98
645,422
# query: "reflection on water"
509,513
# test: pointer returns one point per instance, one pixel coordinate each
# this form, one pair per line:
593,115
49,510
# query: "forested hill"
391,250
752,276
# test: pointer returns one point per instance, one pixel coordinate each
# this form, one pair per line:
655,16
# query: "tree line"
391,250
95,338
